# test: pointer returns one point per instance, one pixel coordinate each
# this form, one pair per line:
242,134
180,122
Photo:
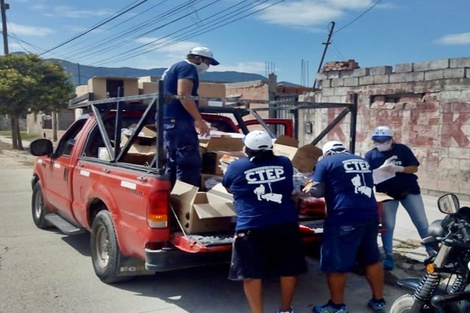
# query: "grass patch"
24,135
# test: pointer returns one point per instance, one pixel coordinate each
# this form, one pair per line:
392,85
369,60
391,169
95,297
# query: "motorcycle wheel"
402,304
405,303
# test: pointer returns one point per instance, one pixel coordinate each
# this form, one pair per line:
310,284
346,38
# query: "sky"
285,37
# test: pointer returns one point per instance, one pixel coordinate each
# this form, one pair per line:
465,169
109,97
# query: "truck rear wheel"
105,251
38,208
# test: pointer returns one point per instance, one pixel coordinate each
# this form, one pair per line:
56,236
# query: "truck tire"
38,208
105,252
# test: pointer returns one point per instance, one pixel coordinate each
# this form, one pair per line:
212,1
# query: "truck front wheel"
38,208
105,251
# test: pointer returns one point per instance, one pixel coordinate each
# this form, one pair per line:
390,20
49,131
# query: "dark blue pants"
182,146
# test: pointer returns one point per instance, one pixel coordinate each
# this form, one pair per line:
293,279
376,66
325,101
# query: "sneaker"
329,308
377,306
290,311
388,263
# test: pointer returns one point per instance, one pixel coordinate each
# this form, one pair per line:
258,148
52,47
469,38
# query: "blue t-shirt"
401,182
349,186
262,190
181,70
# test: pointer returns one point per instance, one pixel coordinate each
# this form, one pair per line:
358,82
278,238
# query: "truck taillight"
157,210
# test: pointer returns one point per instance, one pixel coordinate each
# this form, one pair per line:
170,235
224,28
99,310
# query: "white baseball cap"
258,140
204,52
382,133
332,147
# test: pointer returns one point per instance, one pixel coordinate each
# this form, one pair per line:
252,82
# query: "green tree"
30,84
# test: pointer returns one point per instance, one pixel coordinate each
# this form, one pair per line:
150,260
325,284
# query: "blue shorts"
272,251
344,245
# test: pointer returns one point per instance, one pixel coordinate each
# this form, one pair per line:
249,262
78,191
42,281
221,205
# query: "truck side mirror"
41,147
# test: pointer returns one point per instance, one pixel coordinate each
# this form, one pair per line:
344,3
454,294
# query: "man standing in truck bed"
182,120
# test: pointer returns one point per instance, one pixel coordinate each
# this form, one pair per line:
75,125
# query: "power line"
191,33
124,36
95,27
361,15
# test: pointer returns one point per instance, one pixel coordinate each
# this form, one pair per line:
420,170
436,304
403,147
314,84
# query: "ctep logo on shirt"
358,167
265,175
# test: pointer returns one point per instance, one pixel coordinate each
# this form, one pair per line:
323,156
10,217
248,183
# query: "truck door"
59,168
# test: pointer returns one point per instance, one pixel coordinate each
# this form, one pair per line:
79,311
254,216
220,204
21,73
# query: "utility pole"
15,127
327,43
78,74
4,7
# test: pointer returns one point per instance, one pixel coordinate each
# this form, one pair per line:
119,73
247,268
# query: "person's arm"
411,169
185,87
317,190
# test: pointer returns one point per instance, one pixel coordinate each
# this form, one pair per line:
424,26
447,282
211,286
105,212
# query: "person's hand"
390,161
390,167
397,168
202,128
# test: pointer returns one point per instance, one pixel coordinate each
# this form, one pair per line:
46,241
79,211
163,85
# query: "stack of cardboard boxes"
212,211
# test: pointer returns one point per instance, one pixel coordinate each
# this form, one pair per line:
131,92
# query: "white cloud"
161,53
164,56
23,30
455,39
309,13
247,67
70,12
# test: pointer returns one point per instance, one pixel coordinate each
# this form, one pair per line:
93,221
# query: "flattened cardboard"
303,158
148,131
221,144
306,158
201,212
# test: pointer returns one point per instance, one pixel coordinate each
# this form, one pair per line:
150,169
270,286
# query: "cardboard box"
147,87
303,158
144,147
107,87
214,148
203,212
221,144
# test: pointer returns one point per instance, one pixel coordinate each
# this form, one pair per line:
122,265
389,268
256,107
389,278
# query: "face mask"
383,146
201,68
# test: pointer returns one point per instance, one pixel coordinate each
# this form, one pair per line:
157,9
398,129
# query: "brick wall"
427,104
252,90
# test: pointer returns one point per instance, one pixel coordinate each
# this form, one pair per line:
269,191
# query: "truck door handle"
106,170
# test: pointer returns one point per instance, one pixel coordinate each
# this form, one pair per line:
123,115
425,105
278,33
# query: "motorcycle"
445,287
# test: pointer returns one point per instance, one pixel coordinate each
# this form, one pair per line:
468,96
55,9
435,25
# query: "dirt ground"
5,146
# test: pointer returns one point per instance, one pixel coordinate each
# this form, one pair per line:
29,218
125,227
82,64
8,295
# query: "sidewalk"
24,155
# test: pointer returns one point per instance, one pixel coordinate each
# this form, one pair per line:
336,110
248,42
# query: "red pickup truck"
123,204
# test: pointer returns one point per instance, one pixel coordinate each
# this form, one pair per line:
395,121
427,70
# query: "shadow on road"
80,242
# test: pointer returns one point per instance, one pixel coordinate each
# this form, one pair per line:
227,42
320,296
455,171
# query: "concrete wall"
427,104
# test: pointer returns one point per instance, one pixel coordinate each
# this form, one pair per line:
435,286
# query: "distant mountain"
81,73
